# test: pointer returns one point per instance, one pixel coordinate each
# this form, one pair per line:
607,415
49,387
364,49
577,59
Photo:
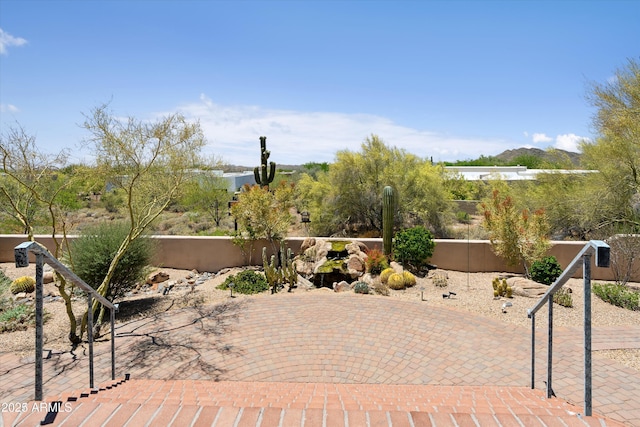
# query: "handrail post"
550,348
21,254
586,268
39,331
90,338
113,343
533,351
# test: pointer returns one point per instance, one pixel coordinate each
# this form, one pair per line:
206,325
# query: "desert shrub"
440,279
516,235
380,288
625,250
96,247
112,201
5,282
376,261
563,297
463,217
396,282
17,317
361,288
546,270
246,282
409,279
384,275
413,247
618,295
25,284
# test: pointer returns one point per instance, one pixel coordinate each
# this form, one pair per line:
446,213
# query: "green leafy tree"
616,151
148,162
207,193
348,197
517,235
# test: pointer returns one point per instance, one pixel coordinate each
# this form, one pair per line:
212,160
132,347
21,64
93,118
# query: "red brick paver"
324,339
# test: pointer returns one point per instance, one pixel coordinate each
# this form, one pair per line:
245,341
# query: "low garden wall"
214,253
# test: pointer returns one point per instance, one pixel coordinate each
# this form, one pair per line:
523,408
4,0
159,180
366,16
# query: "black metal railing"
602,253
21,253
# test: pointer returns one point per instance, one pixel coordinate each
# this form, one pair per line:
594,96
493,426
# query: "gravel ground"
474,293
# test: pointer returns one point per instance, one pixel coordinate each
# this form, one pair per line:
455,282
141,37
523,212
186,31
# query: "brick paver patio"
326,338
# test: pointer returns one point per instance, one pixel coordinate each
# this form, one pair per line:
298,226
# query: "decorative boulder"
327,261
526,288
342,287
157,277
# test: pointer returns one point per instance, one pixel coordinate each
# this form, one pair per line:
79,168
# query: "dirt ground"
473,293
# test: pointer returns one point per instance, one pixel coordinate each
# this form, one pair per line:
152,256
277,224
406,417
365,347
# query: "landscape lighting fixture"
231,285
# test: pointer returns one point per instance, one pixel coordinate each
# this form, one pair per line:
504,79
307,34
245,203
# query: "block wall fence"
211,254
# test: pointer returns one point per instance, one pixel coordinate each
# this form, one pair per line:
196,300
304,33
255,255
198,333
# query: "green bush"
246,282
546,270
463,217
96,247
17,317
412,247
618,295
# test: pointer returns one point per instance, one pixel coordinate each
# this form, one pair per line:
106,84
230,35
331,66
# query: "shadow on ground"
181,339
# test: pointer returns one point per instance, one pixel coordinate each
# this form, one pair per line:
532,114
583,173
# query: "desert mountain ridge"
507,156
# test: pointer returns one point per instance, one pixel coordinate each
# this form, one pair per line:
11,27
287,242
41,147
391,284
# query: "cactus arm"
266,172
272,172
256,176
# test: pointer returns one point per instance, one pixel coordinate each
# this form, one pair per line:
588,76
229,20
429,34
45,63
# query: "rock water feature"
325,262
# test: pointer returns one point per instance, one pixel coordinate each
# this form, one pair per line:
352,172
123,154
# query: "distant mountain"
554,156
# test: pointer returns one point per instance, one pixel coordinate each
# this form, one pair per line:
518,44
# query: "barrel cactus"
396,281
409,279
361,288
384,275
25,284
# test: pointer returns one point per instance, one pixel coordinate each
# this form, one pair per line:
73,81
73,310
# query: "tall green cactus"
387,219
260,173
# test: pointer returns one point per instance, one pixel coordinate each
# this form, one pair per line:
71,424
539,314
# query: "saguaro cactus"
260,173
387,219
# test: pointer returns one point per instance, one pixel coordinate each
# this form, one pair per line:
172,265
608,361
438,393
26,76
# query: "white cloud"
295,137
7,40
8,108
541,137
569,142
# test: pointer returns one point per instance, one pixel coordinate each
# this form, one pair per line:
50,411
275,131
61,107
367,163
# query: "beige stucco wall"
214,253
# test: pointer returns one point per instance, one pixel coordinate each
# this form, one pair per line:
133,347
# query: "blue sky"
449,80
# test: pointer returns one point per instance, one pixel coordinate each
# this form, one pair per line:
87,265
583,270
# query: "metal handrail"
21,253
602,253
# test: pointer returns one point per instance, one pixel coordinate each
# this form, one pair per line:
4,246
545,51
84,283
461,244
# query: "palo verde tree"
35,191
148,162
264,214
206,193
348,197
616,151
